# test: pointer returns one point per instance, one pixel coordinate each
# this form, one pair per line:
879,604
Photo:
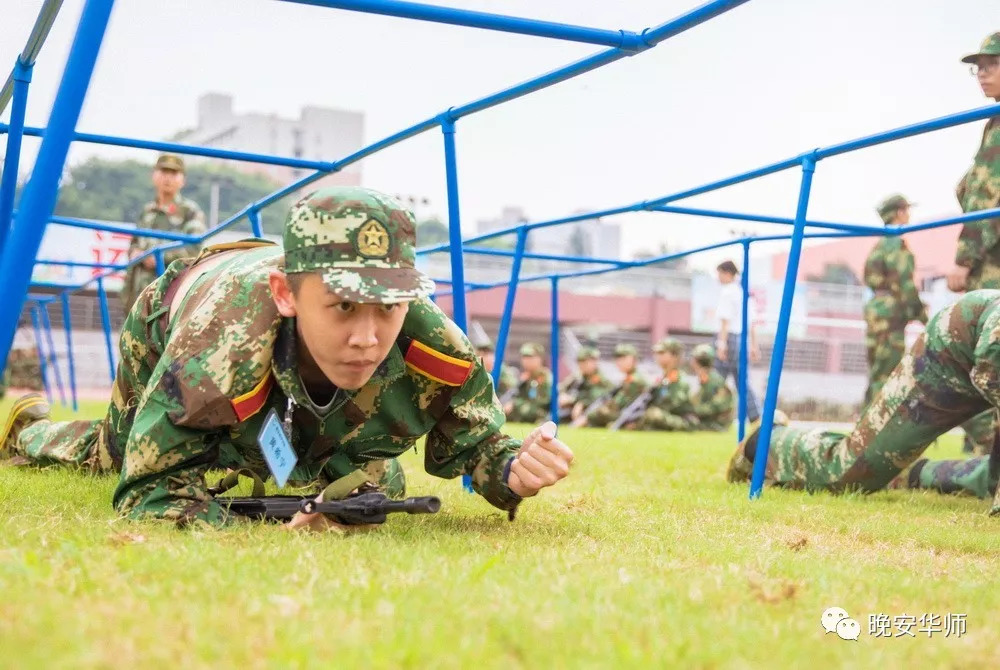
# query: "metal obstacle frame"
21,231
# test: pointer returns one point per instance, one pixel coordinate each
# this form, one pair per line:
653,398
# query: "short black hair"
729,267
296,279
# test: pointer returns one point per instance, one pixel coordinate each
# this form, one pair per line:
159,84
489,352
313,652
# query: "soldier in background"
669,406
508,373
977,259
713,401
613,402
534,390
170,212
889,274
584,386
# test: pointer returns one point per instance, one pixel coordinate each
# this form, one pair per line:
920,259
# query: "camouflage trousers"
929,393
886,344
603,416
528,412
980,432
655,418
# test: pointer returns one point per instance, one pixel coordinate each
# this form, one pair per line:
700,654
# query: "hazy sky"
763,82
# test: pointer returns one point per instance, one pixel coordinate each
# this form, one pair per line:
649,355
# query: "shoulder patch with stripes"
251,402
439,367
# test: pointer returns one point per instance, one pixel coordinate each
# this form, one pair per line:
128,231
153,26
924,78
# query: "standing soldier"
977,261
950,374
713,402
620,397
534,391
508,373
584,387
889,274
334,340
170,212
669,406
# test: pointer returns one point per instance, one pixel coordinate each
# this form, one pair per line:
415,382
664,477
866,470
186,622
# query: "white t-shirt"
730,308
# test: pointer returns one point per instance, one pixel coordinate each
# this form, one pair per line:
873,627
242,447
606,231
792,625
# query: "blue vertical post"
70,363
53,361
458,314
744,361
160,265
41,352
255,224
781,335
39,197
15,131
554,344
508,308
102,296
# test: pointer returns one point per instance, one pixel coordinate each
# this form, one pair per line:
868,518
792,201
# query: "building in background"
591,237
320,134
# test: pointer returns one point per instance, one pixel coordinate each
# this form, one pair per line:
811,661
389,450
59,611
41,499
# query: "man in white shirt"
729,314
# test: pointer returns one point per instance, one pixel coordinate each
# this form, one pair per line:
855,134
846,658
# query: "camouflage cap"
625,350
485,345
989,47
170,162
704,354
887,208
587,353
532,349
360,240
668,344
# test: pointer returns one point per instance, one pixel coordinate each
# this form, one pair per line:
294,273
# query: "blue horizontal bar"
483,251
120,228
962,218
723,183
185,149
736,216
73,264
473,19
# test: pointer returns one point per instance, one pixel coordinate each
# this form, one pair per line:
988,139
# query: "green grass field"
644,557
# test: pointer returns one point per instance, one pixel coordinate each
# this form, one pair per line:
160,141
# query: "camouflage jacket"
585,389
978,247
713,403
623,395
508,379
182,216
889,272
225,357
534,393
672,395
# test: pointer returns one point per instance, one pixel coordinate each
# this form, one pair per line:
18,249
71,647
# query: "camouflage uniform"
951,373
534,392
580,389
889,273
713,402
623,395
181,216
979,241
205,355
670,405
508,373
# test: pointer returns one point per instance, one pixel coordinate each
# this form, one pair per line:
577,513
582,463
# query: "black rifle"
508,395
363,508
634,410
573,388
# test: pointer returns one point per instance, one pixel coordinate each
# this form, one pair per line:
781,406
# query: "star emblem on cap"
373,239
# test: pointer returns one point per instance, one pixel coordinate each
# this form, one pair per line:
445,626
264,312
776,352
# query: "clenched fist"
541,461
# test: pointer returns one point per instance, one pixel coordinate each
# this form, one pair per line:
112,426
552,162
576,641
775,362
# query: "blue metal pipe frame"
744,371
102,297
70,362
8,184
454,224
42,365
508,308
554,345
53,360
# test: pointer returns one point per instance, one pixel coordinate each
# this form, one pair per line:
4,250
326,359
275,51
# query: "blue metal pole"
41,352
454,225
102,296
8,185
255,225
71,363
47,329
160,266
554,344
781,335
39,196
109,227
508,308
744,350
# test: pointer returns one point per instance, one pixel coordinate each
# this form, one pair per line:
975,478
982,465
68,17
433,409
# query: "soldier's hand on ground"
541,461
321,523
958,278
